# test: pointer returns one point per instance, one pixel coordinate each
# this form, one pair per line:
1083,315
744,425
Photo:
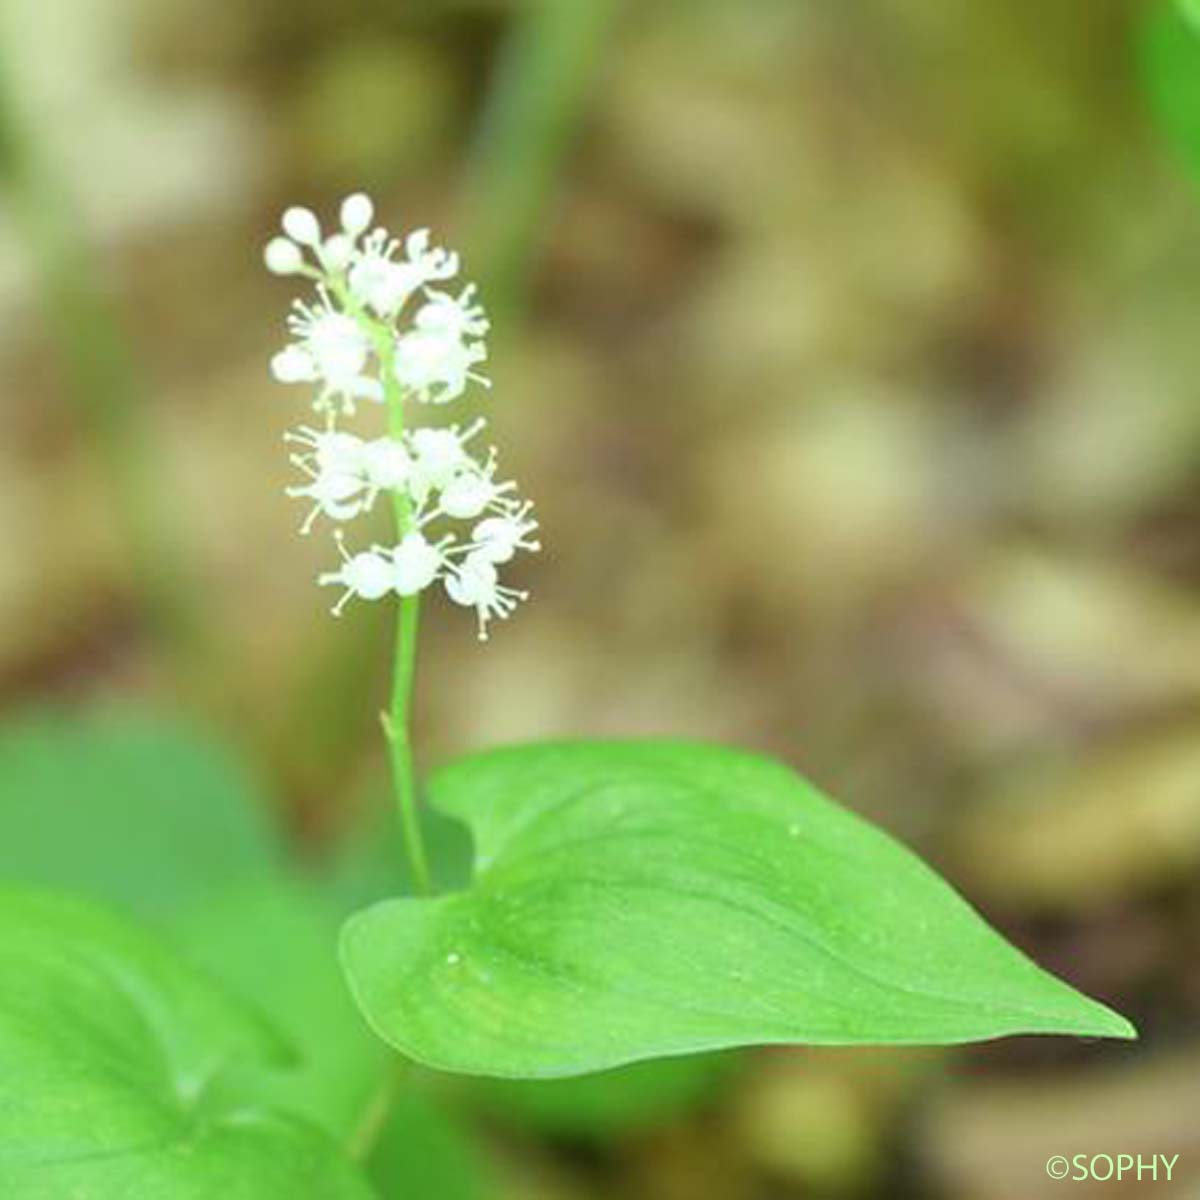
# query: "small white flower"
473,491
381,283
455,317
328,450
346,473
432,264
438,456
437,366
435,358
416,563
294,365
386,464
497,539
369,575
330,349
338,496
467,496
474,583
335,343
333,461
375,280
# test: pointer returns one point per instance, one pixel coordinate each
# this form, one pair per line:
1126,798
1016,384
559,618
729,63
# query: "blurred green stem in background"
102,384
374,1116
538,97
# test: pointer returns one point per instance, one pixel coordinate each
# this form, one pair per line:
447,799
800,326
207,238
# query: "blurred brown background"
849,350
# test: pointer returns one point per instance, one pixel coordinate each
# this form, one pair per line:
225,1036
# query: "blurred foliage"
129,810
1171,54
144,816
423,1151
856,384
600,1106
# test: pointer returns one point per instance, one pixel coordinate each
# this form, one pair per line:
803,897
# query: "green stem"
396,725
398,719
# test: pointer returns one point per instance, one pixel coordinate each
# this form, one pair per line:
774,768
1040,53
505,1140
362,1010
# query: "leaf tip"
1110,1023
1093,1019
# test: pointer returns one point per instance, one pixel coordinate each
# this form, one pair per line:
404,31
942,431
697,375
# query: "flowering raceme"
456,523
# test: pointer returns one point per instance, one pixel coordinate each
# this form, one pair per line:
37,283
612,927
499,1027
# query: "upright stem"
396,725
398,719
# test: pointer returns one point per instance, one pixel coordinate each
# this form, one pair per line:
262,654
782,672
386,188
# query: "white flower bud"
369,576
301,225
338,452
357,213
283,256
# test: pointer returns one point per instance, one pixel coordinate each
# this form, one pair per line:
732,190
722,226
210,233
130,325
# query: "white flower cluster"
355,343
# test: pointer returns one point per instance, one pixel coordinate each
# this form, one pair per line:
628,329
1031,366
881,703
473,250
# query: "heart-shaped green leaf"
122,1073
635,900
